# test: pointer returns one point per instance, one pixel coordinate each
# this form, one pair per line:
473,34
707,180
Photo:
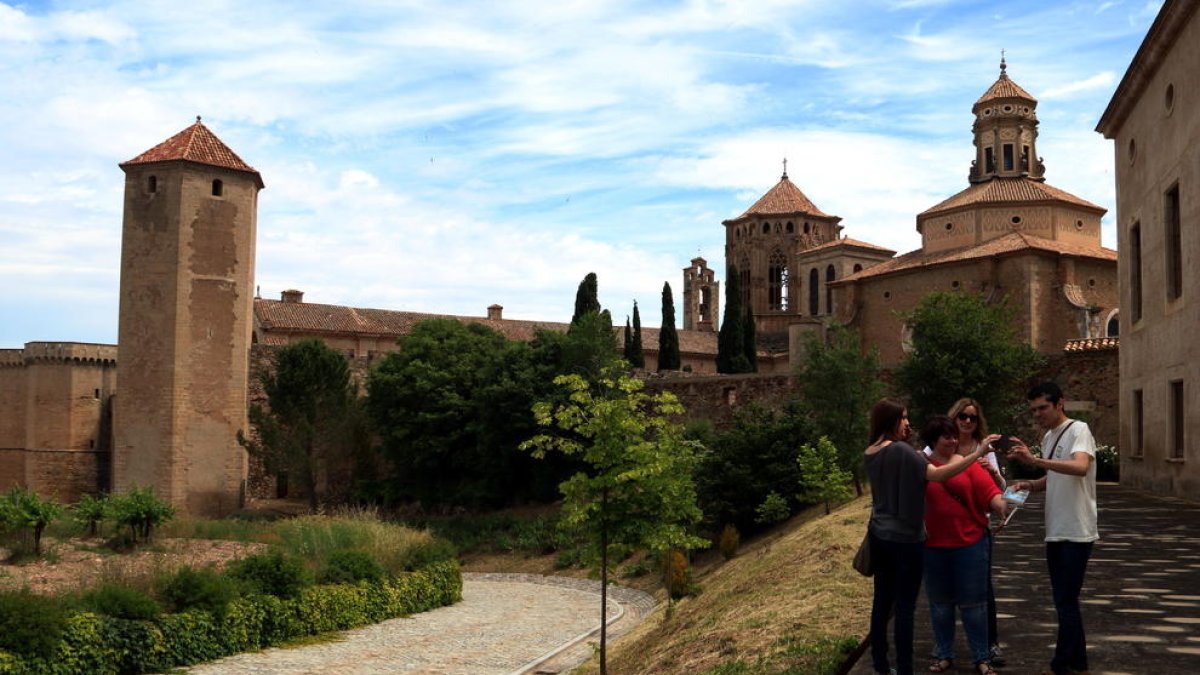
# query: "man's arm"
1077,465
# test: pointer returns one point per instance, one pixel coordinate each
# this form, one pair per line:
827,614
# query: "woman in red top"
956,551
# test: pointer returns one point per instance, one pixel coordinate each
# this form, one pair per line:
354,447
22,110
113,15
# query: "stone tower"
187,287
1005,133
701,297
766,244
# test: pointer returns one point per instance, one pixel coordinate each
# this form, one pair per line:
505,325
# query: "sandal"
985,668
941,665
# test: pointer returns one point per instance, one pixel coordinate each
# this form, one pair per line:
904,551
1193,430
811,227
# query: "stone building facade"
1008,236
187,282
1154,119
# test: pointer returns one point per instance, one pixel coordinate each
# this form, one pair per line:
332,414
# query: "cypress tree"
668,339
627,350
750,341
731,340
587,297
637,358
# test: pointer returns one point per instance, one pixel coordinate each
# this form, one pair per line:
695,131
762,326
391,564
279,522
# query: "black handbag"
862,559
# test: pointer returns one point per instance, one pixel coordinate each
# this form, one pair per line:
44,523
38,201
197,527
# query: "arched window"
814,293
857,268
830,274
766,228
217,187
1113,327
705,298
791,227
152,184
777,275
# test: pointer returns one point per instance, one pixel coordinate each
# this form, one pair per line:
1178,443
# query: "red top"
956,511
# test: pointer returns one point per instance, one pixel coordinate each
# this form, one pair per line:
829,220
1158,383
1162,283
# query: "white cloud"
1102,81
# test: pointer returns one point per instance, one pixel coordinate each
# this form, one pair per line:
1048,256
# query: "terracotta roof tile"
1004,88
1092,344
854,243
1008,244
1005,190
783,199
311,318
194,144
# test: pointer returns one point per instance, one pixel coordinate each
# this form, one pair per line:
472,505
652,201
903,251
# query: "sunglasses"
965,417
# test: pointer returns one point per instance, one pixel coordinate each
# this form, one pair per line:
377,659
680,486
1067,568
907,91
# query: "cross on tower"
785,167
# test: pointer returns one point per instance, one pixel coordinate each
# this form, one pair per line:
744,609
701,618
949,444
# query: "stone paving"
1141,597
505,624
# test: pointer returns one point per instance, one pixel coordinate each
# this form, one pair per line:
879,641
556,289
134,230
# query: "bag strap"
1060,435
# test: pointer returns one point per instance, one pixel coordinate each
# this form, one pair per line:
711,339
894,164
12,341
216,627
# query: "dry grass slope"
782,605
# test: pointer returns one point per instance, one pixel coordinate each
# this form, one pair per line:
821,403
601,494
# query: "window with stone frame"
1139,422
1178,420
1174,243
777,276
814,292
1135,272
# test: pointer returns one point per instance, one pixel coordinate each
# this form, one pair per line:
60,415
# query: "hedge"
99,645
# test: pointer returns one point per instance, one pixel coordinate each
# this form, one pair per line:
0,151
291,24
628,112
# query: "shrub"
121,602
30,625
271,574
89,512
772,510
730,541
428,552
141,512
1108,463
679,575
347,567
25,513
204,589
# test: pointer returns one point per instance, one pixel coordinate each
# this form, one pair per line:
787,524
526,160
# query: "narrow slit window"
814,293
1174,242
830,274
218,188
1008,157
152,184
1135,272
989,160
1178,420
1139,438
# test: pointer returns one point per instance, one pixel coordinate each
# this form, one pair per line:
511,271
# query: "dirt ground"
69,565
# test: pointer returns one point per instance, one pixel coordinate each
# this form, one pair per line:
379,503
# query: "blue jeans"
897,582
1068,562
957,577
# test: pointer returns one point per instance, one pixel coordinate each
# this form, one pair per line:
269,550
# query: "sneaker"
996,656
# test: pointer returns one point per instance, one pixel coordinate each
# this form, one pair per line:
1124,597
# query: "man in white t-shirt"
1069,459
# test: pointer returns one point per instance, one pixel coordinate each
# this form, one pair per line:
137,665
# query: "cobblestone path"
506,623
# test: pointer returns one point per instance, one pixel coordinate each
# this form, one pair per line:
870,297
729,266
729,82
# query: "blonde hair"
962,404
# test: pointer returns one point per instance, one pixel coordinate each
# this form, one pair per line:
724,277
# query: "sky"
444,156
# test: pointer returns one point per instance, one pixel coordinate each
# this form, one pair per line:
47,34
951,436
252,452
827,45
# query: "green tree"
822,479
140,511
964,346
453,405
312,419
668,338
637,491
637,357
587,297
27,514
731,339
750,340
627,341
840,383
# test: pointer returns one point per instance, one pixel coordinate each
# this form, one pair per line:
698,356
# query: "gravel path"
506,623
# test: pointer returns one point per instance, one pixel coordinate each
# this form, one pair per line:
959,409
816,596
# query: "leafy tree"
731,340
90,511
753,457
963,346
453,405
636,357
637,491
668,338
773,509
312,419
840,383
821,477
750,340
28,514
586,297
141,512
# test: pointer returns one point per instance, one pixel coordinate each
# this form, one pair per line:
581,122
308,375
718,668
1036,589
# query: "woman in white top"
972,429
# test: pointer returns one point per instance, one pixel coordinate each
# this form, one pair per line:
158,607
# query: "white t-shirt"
1070,500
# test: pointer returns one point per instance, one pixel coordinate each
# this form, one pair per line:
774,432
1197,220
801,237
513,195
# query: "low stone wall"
716,398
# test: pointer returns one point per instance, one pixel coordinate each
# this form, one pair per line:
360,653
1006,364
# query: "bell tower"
187,287
701,297
1006,133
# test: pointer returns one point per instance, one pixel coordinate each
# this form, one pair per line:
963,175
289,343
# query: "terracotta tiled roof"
1092,344
1006,245
1004,88
853,243
194,144
311,318
783,199
1005,190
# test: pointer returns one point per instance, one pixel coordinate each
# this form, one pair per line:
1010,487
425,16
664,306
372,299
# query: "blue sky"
441,157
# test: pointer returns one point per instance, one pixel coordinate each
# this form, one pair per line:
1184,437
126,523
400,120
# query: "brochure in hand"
1013,496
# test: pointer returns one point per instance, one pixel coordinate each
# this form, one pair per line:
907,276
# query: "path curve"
506,624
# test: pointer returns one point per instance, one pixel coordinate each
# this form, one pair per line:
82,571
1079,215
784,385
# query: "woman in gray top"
898,474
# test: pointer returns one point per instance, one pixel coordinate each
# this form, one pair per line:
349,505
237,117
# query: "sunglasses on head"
966,417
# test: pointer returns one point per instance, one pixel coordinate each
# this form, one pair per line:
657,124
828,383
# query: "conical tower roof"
783,199
195,144
1003,88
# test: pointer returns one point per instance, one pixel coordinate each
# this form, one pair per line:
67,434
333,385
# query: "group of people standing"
934,514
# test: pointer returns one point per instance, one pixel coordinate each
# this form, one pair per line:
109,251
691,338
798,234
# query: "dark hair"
981,428
885,417
1050,390
936,427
